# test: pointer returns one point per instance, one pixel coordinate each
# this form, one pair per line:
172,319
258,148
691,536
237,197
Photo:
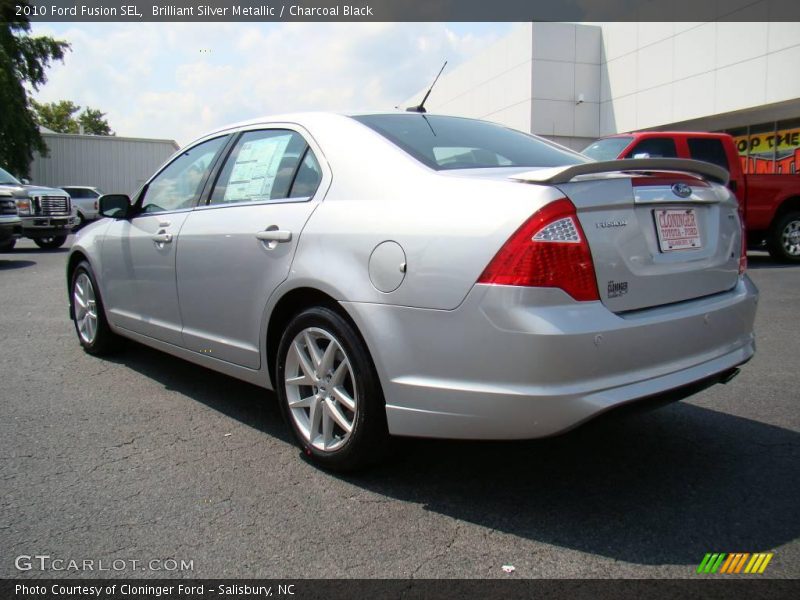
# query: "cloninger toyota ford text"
421,275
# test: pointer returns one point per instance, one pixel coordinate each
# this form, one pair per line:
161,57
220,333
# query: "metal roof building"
111,163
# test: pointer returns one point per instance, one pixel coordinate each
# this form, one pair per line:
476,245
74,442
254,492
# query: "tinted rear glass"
654,148
708,150
606,149
456,143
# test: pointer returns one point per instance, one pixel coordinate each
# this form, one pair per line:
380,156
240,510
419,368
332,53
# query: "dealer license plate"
677,229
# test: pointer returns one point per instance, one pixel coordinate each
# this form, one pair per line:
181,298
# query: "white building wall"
656,74
494,85
530,80
639,75
566,82
114,164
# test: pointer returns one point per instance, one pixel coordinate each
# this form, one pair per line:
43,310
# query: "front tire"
88,313
50,242
329,391
783,242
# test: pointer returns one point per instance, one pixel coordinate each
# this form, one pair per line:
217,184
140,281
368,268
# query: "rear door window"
266,165
308,178
656,147
708,150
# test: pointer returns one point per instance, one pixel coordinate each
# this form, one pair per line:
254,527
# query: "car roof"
317,117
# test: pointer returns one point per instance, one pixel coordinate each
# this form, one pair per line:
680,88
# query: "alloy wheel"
320,389
85,306
790,238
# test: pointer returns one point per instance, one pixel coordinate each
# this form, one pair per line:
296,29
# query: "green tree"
23,60
94,122
58,116
61,117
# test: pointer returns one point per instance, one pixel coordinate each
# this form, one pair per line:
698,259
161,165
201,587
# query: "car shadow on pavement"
62,250
658,487
661,487
8,264
249,404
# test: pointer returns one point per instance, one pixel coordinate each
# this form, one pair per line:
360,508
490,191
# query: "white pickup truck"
47,214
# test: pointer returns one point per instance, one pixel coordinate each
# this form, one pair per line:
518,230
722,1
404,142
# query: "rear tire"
8,245
88,313
329,391
50,242
783,242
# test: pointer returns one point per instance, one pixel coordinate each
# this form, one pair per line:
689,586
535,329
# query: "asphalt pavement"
144,457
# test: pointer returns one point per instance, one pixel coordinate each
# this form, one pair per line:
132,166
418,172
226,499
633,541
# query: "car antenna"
420,108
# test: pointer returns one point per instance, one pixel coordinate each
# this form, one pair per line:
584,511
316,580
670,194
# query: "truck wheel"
329,391
50,242
784,239
88,313
8,245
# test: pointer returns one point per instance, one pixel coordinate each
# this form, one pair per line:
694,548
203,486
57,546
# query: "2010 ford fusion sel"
421,275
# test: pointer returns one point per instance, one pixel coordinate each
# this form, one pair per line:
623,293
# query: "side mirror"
116,206
25,181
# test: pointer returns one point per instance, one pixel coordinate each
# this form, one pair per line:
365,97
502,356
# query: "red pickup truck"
770,202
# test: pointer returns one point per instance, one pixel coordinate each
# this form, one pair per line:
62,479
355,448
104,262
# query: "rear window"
606,149
708,150
656,147
444,143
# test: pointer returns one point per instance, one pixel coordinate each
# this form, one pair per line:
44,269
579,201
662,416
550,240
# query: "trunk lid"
656,237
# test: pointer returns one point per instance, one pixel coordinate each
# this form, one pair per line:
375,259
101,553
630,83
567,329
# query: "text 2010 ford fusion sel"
422,275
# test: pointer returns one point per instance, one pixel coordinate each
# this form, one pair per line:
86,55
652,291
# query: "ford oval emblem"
681,190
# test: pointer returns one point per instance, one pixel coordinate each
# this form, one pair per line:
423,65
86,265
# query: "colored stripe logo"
735,563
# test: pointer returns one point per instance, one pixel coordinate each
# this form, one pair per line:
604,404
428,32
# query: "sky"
181,80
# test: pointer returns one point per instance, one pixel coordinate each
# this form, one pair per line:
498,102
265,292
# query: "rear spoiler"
558,175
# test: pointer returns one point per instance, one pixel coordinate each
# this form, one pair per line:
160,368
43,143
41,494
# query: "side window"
308,177
708,150
654,148
178,185
265,165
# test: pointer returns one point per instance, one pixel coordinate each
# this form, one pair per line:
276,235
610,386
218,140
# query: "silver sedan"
422,275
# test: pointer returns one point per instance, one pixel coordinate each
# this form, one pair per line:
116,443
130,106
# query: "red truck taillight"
548,250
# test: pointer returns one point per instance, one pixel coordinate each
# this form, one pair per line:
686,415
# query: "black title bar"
408,10
705,587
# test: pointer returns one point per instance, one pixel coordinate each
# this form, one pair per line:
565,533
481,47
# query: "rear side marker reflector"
548,250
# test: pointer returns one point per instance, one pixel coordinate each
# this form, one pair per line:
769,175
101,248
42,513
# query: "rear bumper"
515,363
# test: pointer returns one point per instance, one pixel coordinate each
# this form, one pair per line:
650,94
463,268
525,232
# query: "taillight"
548,250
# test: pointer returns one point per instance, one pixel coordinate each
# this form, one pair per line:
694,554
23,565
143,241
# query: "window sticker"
253,175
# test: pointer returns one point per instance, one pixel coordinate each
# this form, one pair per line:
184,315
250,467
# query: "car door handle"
274,235
162,238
